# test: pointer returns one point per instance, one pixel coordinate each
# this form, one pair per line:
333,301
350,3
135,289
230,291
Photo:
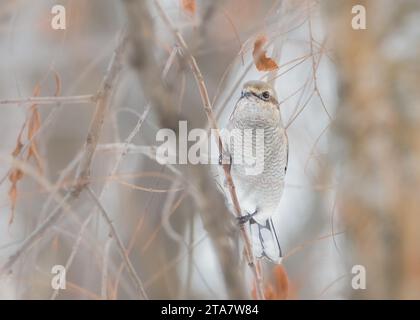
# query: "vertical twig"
210,201
104,278
120,246
213,123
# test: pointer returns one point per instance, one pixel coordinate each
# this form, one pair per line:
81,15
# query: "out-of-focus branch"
120,245
140,31
215,215
379,148
95,129
31,240
122,150
83,171
81,99
213,123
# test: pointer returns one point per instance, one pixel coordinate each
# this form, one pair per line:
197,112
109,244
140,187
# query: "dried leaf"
19,144
189,6
14,176
57,84
262,62
279,289
281,283
33,124
254,292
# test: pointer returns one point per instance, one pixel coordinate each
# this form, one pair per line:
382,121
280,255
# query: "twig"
30,241
73,251
213,123
104,285
210,201
168,266
81,99
95,129
314,65
120,245
123,152
83,172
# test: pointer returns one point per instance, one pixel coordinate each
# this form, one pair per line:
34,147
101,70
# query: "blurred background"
349,99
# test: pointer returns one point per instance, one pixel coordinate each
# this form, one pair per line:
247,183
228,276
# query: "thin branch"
73,252
83,172
315,65
95,129
81,99
120,246
210,201
33,238
213,123
104,284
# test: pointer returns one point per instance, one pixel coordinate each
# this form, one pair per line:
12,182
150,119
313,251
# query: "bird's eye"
265,95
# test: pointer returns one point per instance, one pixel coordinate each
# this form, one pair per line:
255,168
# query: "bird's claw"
244,219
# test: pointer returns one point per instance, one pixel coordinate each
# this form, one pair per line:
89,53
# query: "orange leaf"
279,289
262,62
57,84
14,176
33,126
281,282
19,144
189,6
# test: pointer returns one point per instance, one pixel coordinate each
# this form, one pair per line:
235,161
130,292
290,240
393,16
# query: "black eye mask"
250,93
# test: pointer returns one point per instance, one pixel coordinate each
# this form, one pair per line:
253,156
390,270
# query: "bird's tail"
265,241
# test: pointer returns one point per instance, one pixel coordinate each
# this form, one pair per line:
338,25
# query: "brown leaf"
281,282
57,84
14,176
262,62
19,144
189,6
279,289
34,123
254,292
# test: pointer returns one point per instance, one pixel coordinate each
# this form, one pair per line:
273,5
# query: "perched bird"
259,192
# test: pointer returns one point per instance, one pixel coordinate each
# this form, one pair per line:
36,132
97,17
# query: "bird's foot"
244,219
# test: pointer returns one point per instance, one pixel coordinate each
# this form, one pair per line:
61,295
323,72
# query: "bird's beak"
245,94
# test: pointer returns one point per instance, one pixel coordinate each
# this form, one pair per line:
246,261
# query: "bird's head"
260,90
258,103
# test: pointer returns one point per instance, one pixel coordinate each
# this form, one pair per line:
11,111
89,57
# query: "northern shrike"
257,111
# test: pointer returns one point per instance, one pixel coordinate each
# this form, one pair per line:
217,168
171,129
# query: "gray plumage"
260,193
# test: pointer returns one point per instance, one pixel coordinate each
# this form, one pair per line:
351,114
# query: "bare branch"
95,129
83,172
81,99
213,123
210,201
120,246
